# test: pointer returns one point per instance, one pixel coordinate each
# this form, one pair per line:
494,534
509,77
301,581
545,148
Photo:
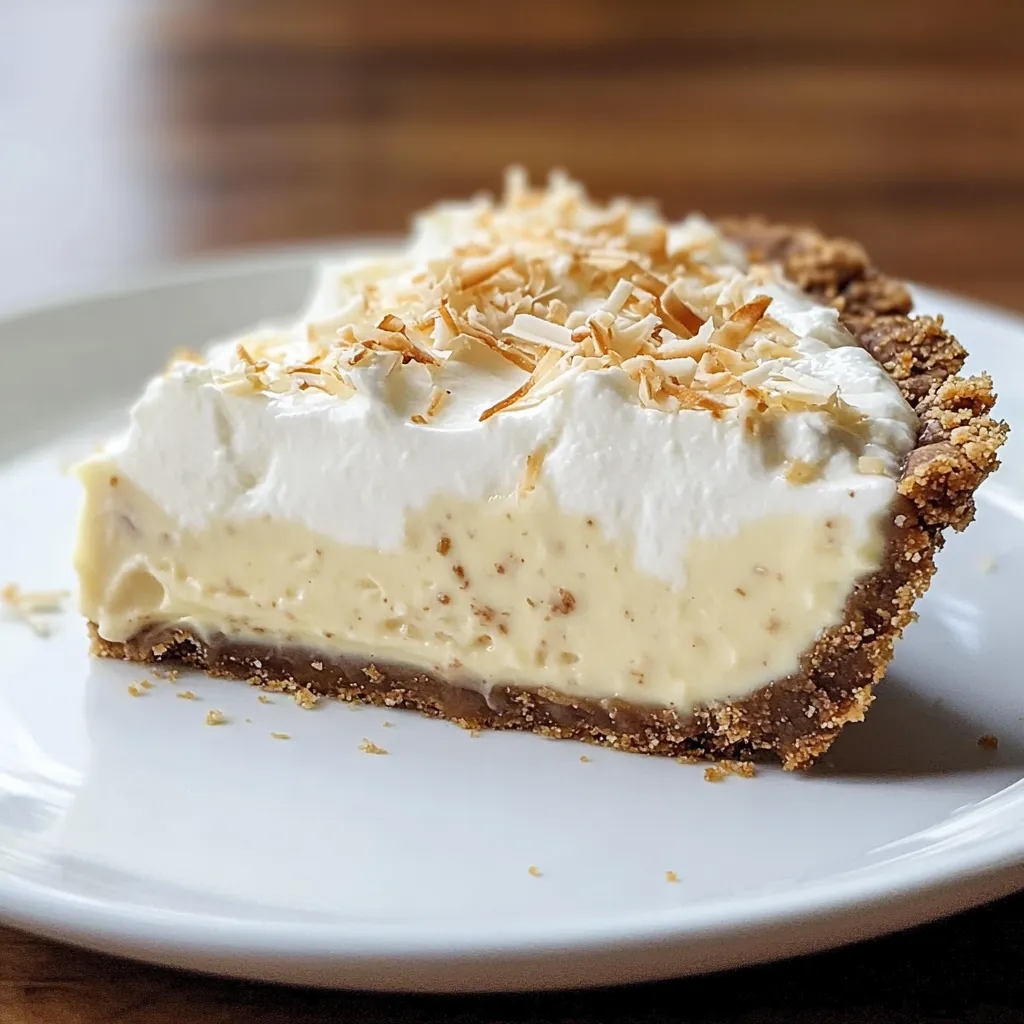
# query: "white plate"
129,826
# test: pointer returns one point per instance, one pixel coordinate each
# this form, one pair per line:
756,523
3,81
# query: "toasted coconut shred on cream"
534,397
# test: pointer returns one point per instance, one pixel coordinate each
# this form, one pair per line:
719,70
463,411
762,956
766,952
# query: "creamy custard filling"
511,590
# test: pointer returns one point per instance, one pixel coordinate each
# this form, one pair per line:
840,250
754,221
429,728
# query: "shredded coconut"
556,285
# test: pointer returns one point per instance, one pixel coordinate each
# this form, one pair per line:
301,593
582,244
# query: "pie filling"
512,590
549,443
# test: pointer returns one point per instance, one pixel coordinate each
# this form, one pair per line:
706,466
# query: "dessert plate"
461,862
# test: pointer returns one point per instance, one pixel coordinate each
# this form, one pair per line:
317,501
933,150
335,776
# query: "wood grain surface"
967,969
137,131
899,123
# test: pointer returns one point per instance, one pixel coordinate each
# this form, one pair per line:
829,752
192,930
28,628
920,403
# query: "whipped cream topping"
641,372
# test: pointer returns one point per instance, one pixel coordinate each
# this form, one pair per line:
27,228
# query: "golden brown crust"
957,448
308,674
796,718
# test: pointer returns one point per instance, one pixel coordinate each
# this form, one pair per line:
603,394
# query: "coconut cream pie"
553,465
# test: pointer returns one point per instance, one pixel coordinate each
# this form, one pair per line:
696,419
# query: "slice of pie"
559,466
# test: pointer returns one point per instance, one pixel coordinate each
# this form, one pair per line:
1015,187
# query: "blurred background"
133,132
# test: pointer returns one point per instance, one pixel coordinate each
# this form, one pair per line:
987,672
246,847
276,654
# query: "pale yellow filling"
510,590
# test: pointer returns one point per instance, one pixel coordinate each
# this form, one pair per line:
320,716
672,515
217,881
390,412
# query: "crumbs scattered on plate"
717,772
31,606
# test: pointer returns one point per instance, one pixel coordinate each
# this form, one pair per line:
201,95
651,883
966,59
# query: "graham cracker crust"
794,719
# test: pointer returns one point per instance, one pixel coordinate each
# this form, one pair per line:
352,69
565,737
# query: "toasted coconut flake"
681,348
445,313
681,369
709,364
437,397
648,387
392,324
601,334
723,383
677,316
688,398
608,260
651,239
766,348
425,324
558,312
520,392
347,336
779,332
409,351
742,322
542,332
650,283
332,384
630,338
475,272
549,361
243,353
537,272
619,294
731,360
513,355
471,324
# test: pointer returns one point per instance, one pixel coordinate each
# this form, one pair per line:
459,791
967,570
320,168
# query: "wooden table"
967,969
133,131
